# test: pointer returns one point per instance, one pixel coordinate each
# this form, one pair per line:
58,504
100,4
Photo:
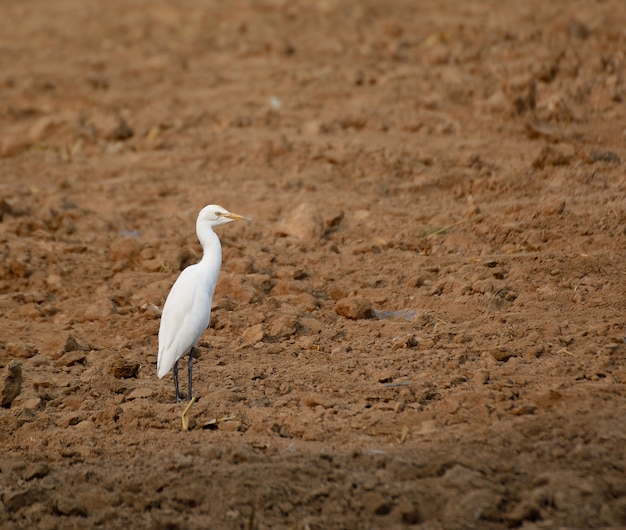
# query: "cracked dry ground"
421,327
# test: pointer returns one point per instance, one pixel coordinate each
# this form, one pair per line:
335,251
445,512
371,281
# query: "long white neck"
211,246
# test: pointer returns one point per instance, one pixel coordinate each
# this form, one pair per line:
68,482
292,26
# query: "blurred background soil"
423,325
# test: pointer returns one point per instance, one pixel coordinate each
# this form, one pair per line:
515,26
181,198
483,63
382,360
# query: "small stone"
253,334
242,453
374,502
14,500
43,128
108,414
153,265
384,376
39,360
54,281
12,146
101,310
32,404
85,424
305,222
313,400
236,287
307,302
523,410
139,393
19,350
126,249
313,433
10,383
481,377
523,511
459,476
337,293
608,157
552,155
243,265
74,344
285,507
311,325
35,470
409,514
314,127
151,310
283,326
333,218
122,368
121,131
72,358
502,354
209,451
70,507
354,307
407,341
70,419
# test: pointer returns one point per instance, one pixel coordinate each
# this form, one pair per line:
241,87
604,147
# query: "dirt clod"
10,383
354,307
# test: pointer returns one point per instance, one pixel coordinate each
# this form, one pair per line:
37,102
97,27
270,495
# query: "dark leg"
175,370
189,368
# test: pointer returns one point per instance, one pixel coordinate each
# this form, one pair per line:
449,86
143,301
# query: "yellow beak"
236,216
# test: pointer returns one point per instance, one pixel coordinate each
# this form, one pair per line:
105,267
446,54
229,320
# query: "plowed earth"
422,326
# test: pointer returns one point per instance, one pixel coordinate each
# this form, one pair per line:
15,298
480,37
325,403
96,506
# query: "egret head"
216,215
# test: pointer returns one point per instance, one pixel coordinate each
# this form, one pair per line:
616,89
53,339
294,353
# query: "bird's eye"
218,214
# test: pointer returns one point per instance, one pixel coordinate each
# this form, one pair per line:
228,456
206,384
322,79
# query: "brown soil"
423,325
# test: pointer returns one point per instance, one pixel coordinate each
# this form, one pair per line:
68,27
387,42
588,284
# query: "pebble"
239,265
502,354
122,368
14,500
139,393
35,470
313,400
311,325
374,502
253,334
409,514
283,326
72,358
459,476
406,341
126,249
101,310
304,222
236,287
354,307
43,127
189,494
70,507
74,344
10,383
32,404
71,418
20,350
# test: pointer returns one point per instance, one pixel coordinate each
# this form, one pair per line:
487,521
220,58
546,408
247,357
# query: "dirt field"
423,325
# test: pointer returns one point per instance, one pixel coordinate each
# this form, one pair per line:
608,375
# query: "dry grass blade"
212,424
183,416
443,229
405,433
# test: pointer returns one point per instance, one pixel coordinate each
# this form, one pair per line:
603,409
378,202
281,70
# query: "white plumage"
187,310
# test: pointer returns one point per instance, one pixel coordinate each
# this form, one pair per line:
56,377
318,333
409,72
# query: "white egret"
187,310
